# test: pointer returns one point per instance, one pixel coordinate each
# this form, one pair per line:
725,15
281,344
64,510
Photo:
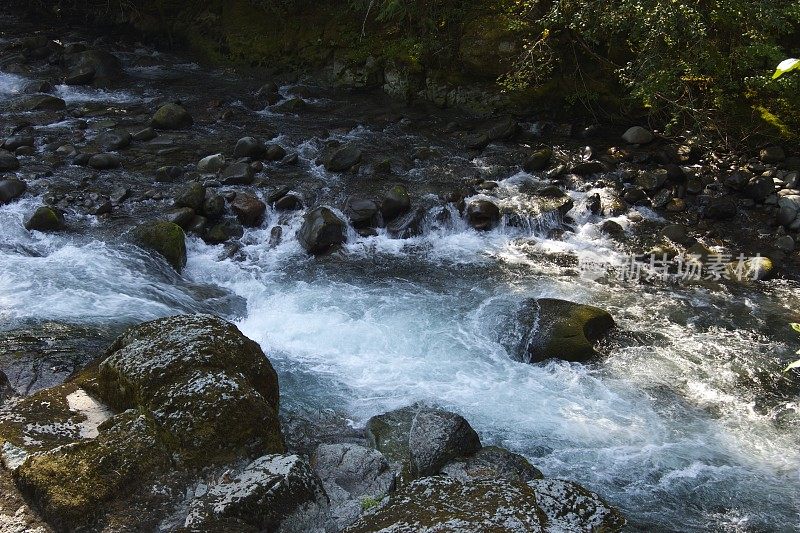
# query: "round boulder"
45,219
172,117
166,238
322,230
482,214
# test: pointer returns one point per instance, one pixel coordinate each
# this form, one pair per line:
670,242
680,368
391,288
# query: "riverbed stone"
322,230
272,493
211,164
240,173
483,214
720,208
105,161
351,475
39,102
249,147
172,117
559,329
637,135
538,160
11,189
18,141
192,195
248,209
342,158
440,503
395,203
181,216
168,173
45,219
570,507
8,161
362,212
93,65
165,238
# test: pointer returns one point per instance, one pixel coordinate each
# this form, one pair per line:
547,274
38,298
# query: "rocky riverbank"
151,160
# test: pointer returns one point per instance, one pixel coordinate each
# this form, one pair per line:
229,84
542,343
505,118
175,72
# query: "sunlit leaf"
795,326
796,364
787,65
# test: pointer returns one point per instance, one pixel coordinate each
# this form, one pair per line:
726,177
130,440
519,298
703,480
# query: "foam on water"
73,94
10,84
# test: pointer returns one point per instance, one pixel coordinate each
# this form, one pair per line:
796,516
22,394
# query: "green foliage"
796,364
368,503
787,65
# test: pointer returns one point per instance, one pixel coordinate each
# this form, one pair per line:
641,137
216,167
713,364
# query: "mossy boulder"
211,389
441,503
166,238
558,329
570,507
172,117
71,484
45,219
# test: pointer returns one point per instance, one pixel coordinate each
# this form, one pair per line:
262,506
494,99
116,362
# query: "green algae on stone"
166,238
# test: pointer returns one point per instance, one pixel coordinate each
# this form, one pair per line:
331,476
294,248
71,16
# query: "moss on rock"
166,238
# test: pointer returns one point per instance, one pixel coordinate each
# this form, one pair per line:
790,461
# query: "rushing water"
687,424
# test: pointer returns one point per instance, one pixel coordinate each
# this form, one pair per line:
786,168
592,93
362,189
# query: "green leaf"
787,65
796,364
795,326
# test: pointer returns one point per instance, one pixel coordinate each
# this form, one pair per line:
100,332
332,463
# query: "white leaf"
787,65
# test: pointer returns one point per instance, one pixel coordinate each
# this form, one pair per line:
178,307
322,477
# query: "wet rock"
249,147
147,134
570,507
269,93
539,160
588,168
120,194
181,216
18,141
211,164
754,269
406,226
636,196
662,198
104,207
273,493
721,208
213,206
388,433
651,181
678,233
772,154
342,158
291,105
759,188
104,67
483,214
738,179
113,141
395,203
168,174
39,86
240,173
104,161
222,231
612,205
637,135
492,462
275,152
275,236
212,390
71,484
79,76
362,212
193,196
172,117
351,474
676,205
39,102
558,329
322,230
436,437
8,162
248,209
612,229
438,504
788,209
45,219
163,237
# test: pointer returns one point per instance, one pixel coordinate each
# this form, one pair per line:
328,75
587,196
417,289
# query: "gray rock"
222,231
240,173
562,330
181,216
721,208
274,152
6,390
637,135
168,174
571,508
17,141
395,203
8,161
11,189
437,437
443,504
273,493
45,219
351,474
678,233
363,213
772,154
211,164
483,214
213,206
322,230
193,196
538,160
147,134
759,188
738,179
113,141
104,161
104,67
342,158
249,147
785,244
492,462
388,433
39,102
662,198
289,202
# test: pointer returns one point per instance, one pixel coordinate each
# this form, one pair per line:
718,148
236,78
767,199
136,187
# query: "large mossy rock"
166,238
172,117
45,219
570,507
558,329
211,389
443,504
71,484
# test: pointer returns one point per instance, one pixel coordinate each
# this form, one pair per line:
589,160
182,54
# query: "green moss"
165,238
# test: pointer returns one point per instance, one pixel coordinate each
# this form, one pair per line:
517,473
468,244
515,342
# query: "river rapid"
685,424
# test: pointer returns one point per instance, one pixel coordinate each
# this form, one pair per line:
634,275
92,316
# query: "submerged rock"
274,492
395,203
562,330
322,230
45,219
166,238
440,504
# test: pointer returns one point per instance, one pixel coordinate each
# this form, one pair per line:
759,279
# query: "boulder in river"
570,507
721,208
559,329
211,164
106,161
18,141
192,195
11,189
637,135
249,147
436,437
89,66
166,238
538,160
39,102
45,219
8,161
240,173
172,117
362,212
322,230
483,214
492,462
248,209
395,203
342,158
